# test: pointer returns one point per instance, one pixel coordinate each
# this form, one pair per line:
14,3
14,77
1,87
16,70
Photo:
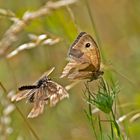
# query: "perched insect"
84,59
44,91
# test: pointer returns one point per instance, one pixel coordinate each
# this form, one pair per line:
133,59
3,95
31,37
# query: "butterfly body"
84,59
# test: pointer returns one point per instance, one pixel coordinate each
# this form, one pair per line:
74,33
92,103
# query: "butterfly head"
43,81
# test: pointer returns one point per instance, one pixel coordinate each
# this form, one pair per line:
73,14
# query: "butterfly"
84,59
44,91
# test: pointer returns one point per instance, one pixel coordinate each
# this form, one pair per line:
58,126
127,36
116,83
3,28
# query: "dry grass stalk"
11,35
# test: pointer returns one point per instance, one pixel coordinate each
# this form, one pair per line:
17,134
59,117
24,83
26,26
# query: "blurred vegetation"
116,29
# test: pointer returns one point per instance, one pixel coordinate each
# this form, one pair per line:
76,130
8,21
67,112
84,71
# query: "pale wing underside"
56,93
23,95
38,103
50,94
73,67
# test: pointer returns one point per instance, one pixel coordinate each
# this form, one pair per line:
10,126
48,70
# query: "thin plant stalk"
89,113
94,27
91,117
100,128
124,124
116,124
21,114
112,132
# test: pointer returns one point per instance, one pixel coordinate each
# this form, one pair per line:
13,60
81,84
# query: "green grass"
103,100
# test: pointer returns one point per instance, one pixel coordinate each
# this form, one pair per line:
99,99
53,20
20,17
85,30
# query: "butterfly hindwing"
56,93
38,103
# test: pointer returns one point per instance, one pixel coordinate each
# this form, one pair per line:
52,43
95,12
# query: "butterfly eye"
87,45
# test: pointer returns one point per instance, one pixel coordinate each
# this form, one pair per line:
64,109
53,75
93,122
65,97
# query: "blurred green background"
118,29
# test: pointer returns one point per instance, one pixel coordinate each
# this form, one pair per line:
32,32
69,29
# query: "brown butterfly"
84,59
44,91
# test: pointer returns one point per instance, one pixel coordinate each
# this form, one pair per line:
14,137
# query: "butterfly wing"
55,93
38,103
73,66
83,57
51,93
85,50
23,95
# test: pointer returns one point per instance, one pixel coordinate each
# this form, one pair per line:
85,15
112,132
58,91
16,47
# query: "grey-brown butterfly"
84,59
44,91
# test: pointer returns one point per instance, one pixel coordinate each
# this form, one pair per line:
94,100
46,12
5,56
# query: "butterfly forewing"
84,59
